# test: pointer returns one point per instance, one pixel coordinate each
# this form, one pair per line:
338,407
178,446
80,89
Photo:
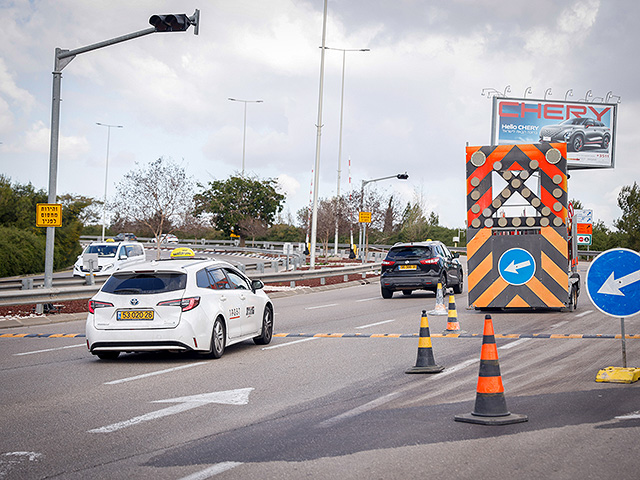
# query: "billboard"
589,129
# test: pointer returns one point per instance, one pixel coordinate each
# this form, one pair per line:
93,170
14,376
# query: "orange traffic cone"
453,326
491,407
440,308
425,362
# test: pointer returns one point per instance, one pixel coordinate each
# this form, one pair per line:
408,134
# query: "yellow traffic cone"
425,362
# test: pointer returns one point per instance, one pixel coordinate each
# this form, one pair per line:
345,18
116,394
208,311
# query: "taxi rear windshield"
145,283
405,253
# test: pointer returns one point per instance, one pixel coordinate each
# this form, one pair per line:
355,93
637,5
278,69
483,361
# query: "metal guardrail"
85,292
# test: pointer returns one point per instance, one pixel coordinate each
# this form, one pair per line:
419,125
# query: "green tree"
242,205
629,223
158,196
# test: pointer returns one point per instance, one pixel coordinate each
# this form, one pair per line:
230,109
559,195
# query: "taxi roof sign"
182,252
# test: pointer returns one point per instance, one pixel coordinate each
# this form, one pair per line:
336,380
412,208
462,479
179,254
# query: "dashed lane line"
514,336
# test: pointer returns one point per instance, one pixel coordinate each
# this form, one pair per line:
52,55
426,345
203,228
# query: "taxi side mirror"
256,285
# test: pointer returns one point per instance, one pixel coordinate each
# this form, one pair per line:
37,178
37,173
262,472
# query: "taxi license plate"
135,315
546,139
407,267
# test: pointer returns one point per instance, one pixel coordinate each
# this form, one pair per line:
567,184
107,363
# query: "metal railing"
85,292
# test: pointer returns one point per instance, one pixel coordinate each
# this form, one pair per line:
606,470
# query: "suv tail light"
388,262
185,304
93,304
429,261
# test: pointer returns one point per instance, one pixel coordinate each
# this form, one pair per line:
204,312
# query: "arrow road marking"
612,286
514,267
229,397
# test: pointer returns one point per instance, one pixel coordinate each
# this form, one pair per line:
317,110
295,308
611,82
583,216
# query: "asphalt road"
326,406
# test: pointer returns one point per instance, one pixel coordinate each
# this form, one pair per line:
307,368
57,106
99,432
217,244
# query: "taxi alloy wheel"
218,338
267,328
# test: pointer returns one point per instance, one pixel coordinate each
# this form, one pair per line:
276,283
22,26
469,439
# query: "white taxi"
178,304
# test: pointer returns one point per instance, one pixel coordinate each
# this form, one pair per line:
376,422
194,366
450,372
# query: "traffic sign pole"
613,285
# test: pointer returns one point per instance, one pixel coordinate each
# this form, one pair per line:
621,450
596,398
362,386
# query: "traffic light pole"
62,59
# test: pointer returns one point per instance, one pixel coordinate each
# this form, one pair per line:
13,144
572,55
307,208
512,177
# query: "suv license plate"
135,315
406,267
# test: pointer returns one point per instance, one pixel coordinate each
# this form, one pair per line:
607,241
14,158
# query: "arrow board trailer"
517,228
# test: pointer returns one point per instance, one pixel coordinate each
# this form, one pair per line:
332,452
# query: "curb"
72,317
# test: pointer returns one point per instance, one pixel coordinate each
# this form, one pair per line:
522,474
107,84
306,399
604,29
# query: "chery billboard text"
588,129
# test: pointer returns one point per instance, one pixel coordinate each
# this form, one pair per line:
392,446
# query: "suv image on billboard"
578,133
420,266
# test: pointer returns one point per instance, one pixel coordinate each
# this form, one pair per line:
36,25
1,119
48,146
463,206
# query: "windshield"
574,121
409,252
102,250
145,283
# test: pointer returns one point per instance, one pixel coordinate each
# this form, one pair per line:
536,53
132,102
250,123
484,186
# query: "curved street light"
363,230
244,130
344,52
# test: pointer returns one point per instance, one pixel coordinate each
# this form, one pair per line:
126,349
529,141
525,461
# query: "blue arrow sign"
516,266
613,282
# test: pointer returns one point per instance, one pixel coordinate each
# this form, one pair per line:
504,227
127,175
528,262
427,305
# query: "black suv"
420,266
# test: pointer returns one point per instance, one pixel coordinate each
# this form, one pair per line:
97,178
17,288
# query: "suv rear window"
145,283
403,253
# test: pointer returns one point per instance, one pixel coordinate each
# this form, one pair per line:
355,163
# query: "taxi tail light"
185,304
429,261
388,262
93,304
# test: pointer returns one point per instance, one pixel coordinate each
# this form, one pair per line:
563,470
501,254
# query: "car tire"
577,142
406,293
218,338
386,293
110,355
605,141
458,287
267,328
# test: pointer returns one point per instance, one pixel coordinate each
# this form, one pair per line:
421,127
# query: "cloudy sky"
411,103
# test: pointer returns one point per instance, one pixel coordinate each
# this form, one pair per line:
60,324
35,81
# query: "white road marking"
367,299
229,397
584,313
358,410
212,471
387,398
378,323
50,349
321,306
152,374
290,343
559,324
514,344
629,416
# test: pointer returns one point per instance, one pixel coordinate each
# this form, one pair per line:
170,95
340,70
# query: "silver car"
578,133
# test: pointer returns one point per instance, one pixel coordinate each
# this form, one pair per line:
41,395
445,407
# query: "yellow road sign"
364,217
48,215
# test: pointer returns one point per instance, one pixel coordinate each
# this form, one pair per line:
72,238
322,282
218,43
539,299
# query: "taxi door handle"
243,297
223,298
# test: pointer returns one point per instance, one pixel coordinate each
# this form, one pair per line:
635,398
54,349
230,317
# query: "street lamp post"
62,58
244,130
363,228
316,177
106,174
344,54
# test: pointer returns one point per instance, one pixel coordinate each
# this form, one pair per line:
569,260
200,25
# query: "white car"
108,257
179,304
168,238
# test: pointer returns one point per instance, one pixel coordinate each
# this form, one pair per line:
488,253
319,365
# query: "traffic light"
403,176
170,23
